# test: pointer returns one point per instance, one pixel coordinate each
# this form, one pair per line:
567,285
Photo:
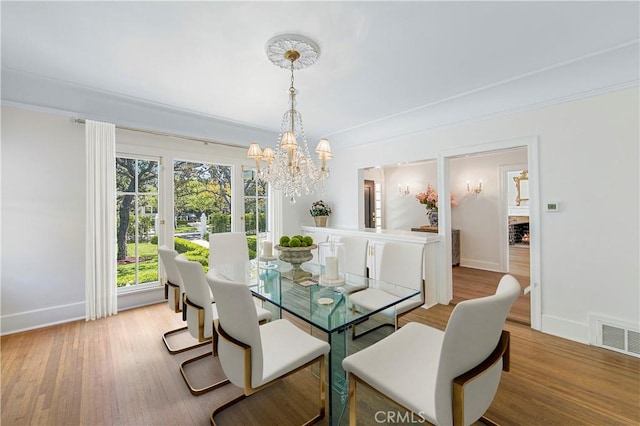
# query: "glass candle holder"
332,263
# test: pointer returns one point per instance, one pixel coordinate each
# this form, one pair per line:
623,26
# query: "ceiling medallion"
278,46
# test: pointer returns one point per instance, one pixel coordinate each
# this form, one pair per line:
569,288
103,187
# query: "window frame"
158,193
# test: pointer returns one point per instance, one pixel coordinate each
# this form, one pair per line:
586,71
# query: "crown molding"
601,72
35,92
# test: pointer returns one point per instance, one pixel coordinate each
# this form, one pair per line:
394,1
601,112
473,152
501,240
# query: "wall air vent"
616,335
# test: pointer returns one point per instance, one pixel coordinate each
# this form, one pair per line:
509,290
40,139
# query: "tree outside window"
136,213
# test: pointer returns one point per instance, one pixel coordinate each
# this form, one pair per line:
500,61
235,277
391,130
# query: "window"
256,206
202,204
136,221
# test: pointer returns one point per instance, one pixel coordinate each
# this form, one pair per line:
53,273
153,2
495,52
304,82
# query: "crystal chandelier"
289,166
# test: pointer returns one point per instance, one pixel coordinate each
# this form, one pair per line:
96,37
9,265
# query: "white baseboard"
145,297
480,264
430,305
38,318
567,329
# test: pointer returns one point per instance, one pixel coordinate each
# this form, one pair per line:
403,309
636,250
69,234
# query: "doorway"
369,204
485,253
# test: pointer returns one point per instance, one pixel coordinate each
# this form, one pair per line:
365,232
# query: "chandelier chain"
292,94
292,89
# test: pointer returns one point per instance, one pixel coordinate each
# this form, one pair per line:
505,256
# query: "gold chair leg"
322,399
224,406
192,389
173,350
323,386
214,342
352,400
487,421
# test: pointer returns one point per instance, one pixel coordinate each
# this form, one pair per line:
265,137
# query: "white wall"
43,205
43,219
588,158
404,211
478,216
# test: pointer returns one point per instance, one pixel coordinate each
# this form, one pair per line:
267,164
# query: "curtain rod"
171,135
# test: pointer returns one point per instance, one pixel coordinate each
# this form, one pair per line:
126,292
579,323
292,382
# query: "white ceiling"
379,61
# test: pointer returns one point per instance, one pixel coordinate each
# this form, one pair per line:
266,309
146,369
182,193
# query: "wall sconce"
403,189
476,189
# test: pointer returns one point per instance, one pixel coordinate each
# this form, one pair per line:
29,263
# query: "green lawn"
181,229
148,264
147,270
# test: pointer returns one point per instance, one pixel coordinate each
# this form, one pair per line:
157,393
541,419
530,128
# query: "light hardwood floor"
469,283
116,371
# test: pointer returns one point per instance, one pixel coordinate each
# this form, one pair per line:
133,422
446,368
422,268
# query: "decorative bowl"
296,256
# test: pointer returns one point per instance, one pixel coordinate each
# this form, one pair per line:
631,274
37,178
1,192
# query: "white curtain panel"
100,267
275,220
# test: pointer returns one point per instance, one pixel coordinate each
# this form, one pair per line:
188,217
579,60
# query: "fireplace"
519,233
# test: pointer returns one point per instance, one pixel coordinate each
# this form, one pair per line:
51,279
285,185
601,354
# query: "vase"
321,221
432,217
296,256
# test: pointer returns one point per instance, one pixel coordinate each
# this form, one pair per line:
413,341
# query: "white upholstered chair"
401,264
201,312
227,248
446,377
173,293
253,356
356,254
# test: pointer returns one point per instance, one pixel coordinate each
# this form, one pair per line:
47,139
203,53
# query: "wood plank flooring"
116,371
555,381
470,283
519,260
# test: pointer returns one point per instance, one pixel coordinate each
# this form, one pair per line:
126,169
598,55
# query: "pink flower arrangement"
430,198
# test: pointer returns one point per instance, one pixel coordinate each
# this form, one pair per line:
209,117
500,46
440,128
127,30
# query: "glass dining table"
326,309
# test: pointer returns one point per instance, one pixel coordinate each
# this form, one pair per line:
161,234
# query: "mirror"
522,187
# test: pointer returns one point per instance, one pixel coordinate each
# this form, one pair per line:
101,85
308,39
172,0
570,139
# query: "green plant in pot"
320,211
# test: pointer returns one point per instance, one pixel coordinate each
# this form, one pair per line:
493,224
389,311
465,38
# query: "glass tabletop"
310,298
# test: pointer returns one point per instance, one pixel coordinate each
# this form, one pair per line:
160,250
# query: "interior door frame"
444,286
504,211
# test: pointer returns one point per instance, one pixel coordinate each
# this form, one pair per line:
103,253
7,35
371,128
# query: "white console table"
377,238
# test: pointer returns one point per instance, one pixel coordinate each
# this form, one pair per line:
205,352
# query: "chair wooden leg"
173,350
192,389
